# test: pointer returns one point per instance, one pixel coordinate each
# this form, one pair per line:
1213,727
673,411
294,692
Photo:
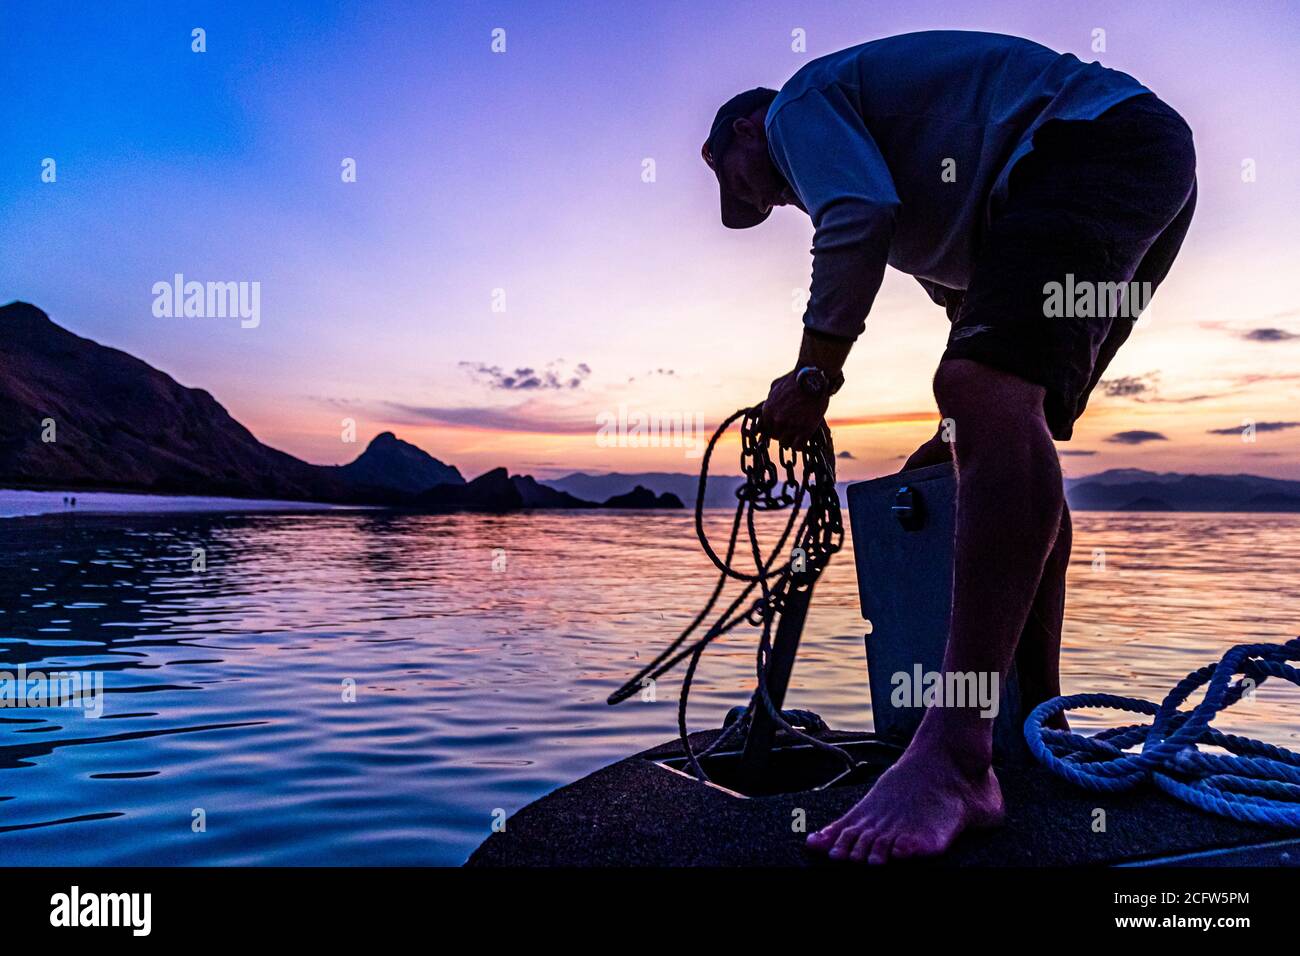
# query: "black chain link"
805,473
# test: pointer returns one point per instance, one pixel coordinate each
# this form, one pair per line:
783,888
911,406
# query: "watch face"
812,381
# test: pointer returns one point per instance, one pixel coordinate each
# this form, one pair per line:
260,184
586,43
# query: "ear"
744,127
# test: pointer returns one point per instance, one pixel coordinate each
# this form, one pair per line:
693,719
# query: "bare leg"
1038,655
1038,658
1009,505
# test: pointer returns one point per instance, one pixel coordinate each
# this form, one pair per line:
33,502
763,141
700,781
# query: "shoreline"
35,503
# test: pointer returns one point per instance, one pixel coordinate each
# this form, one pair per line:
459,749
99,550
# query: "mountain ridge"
77,415
390,462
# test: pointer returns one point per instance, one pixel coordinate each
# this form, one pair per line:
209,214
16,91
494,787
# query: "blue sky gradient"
522,171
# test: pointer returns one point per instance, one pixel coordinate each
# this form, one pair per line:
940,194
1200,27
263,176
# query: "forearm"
791,414
846,275
823,351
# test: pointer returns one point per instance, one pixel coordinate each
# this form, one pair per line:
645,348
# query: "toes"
905,847
845,842
821,839
863,846
828,836
825,838
880,851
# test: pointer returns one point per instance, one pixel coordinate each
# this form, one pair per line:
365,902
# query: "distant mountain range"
497,490
1131,489
721,490
1119,489
78,415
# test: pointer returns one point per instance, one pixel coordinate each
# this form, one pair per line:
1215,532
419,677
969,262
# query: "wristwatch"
813,381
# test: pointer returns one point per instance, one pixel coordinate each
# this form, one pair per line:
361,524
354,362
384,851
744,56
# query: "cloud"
1255,378
1269,335
1127,386
1136,437
1076,451
519,418
526,379
1266,333
1259,427
846,454
1144,388
652,373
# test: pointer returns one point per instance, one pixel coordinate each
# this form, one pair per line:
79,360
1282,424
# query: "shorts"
1094,215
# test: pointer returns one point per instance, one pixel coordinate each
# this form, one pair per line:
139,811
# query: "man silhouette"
993,170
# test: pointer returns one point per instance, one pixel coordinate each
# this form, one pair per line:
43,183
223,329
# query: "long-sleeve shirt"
900,150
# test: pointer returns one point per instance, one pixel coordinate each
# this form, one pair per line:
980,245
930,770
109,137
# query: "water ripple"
359,688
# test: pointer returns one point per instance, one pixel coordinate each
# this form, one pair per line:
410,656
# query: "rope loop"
1248,780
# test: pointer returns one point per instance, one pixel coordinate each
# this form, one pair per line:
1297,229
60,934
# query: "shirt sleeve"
820,144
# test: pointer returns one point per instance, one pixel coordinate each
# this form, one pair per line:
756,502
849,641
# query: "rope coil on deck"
1254,782
798,475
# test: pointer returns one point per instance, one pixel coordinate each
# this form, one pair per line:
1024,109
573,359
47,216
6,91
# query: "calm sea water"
475,690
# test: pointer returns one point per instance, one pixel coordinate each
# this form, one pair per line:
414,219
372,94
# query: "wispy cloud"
525,379
542,417
1128,385
1257,378
528,418
656,372
1269,335
1145,388
1259,427
1136,437
1080,452
1260,333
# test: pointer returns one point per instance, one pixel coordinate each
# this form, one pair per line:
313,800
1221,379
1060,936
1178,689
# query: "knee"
982,402
953,382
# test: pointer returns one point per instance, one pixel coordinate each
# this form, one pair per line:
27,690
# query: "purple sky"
523,171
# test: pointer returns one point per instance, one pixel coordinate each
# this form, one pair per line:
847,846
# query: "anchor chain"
801,479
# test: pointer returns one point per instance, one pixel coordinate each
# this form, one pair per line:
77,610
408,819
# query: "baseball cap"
736,213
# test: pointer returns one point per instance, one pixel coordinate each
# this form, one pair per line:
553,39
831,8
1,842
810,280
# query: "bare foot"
916,809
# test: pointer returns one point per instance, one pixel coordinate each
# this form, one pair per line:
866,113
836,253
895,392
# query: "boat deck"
638,812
